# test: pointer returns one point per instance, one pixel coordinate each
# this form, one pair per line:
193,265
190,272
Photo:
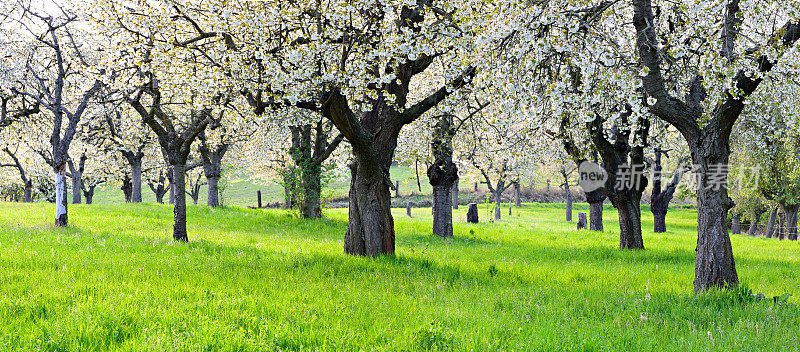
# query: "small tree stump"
258,194
472,213
408,209
581,221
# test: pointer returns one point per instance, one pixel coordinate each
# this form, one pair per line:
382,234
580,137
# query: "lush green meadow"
263,280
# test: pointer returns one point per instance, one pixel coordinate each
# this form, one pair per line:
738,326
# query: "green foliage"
256,280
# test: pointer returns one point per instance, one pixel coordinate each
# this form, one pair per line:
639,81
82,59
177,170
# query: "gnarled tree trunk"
127,187
88,193
595,200
771,223
442,175
714,263
791,220
660,198
212,168
754,222
736,225
370,230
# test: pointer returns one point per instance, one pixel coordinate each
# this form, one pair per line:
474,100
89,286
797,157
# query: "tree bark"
212,168
596,216
517,196
288,189
736,227
442,175
28,191
136,180
213,191
630,224
660,199
442,203
61,195
455,194
754,223
771,222
311,207
498,204
714,263
595,199
569,202
127,188
791,221
89,194
179,195
76,186
370,229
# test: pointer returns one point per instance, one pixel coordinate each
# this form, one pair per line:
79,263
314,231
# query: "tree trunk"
714,264
498,204
77,183
736,227
569,202
172,189
178,194
781,231
127,188
596,216
455,194
136,181
288,189
595,199
443,175
28,191
89,196
754,223
311,208
370,229
61,196
771,222
213,192
791,222
517,197
442,210
630,224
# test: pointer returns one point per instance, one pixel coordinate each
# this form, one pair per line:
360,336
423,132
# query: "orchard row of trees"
159,90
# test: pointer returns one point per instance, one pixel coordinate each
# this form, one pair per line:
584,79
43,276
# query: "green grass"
257,280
